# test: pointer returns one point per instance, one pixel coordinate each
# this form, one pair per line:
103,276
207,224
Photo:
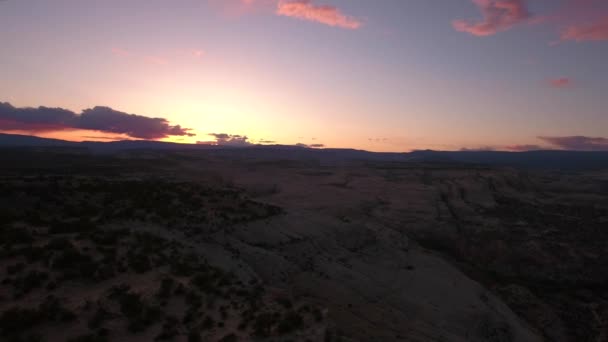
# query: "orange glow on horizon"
76,135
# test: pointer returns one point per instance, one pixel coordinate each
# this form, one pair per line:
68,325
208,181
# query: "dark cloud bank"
233,140
104,119
225,139
108,120
579,143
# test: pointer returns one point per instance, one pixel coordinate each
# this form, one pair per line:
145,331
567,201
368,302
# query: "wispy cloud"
591,31
324,14
560,83
479,149
120,52
575,20
580,143
524,148
569,143
498,15
103,119
225,139
309,145
309,10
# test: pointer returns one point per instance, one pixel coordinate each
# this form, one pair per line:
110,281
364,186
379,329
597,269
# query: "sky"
379,75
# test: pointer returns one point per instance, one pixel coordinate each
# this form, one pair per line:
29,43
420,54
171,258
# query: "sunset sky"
380,75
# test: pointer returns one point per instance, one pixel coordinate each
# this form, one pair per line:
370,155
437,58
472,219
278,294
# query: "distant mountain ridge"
547,159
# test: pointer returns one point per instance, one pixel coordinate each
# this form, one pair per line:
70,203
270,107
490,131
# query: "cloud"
591,31
225,139
300,9
309,146
577,20
221,136
562,82
108,120
378,140
120,52
524,148
478,149
579,143
498,15
42,119
94,137
103,119
324,14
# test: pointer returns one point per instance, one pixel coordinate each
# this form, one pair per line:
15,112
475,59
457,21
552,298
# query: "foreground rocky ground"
198,246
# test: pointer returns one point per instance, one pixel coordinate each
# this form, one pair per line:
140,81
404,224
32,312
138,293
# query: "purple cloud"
225,139
579,143
103,119
498,15
309,146
524,148
559,83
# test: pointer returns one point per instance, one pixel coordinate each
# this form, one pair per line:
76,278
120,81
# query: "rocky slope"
294,250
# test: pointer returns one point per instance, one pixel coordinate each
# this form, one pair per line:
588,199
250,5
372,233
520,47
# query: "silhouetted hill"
31,141
531,159
571,160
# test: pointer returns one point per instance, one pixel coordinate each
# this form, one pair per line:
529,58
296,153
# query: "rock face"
355,252
535,240
374,283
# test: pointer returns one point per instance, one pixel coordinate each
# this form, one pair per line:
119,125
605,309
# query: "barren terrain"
197,246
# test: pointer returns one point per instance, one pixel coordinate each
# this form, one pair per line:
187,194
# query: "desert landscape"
230,245
303,170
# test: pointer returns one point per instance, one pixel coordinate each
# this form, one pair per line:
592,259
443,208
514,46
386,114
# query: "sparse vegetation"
291,321
88,338
82,234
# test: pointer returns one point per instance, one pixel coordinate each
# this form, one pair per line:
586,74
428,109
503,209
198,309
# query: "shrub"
71,261
317,314
16,268
285,302
16,320
32,280
229,338
169,330
79,226
194,336
51,309
131,304
204,281
33,253
262,326
14,236
291,322
166,287
88,338
139,262
60,244
185,266
208,323
109,237
139,315
99,317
